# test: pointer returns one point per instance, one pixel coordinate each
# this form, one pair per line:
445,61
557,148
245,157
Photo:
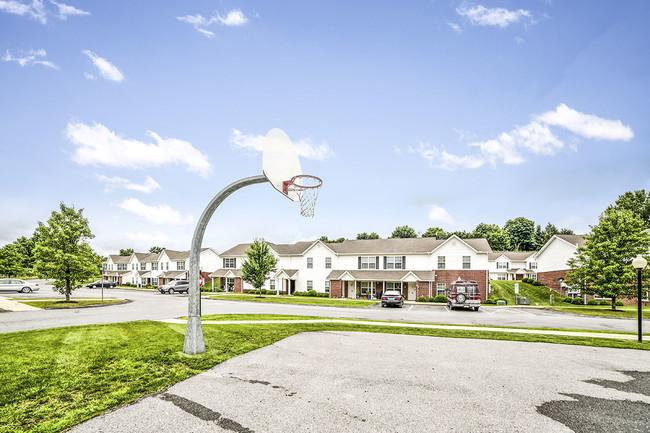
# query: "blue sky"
426,113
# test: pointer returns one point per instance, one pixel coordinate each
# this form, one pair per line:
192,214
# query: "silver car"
16,285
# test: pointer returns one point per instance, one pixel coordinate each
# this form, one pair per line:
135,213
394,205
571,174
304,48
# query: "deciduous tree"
126,251
404,232
62,251
521,232
495,235
435,232
365,235
638,202
155,250
11,261
603,265
259,263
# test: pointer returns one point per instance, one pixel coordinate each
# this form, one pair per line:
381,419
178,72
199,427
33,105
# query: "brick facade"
449,276
336,289
549,279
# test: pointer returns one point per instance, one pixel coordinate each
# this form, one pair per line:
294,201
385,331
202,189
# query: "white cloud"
156,238
437,213
482,16
233,18
66,10
587,125
38,11
97,145
156,214
534,138
455,27
29,58
305,148
112,183
105,68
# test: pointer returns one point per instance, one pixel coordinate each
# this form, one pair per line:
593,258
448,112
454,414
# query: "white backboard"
280,161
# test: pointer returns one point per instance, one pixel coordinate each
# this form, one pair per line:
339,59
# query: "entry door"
412,292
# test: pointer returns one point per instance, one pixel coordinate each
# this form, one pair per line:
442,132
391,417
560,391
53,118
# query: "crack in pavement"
204,413
261,382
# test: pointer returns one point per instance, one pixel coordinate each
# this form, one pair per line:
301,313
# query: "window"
154,281
230,284
327,286
501,277
272,285
310,285
441,289
368,262
154,266
533,276
502,265
395,285
132,266
310,263
367,288
328,263
121,266
532,265
394,262
180,266
230,263
467,262
166,266
441,262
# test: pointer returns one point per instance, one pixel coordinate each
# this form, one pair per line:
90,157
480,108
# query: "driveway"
366,382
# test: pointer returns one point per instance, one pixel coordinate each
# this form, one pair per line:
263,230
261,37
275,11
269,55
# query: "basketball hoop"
307,188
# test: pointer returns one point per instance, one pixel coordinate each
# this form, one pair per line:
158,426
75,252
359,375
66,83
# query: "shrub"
619,303
568,300
218,289
592,302
577,301
439,298
526,280
536,283
263,291
603,302
490,301
422,299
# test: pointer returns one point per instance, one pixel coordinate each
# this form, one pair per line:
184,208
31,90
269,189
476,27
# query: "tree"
259,263
365,235
495,235
521,232
461,234
435,232
25,247
154,250
565,231
603,265
332,241
62,252
404,232
11,261
126,252
637,202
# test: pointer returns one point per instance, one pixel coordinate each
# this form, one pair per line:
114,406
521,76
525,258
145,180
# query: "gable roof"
177,255
146,257
513,256
291,249
120,259
577,240
385,246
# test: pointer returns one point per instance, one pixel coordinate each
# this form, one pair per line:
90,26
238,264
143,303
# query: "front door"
411,292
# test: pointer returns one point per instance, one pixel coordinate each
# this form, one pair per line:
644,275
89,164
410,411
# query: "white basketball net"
307,187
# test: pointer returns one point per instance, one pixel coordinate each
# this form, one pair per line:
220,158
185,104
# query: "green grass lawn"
74,303
303,300
597,310
539,295
222,317
53,379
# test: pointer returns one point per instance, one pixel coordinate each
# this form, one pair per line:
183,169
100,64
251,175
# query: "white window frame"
368,262
310,263
502,277
441,289
370,288
394,285
467,262
501,265
533,265
180,266
392,262
442,262
310,285
229,262
154,266
272,284
328,263
327,286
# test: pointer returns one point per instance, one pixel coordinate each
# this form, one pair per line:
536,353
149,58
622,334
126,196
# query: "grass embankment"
302,300
55,378
597,310
49,304
539,295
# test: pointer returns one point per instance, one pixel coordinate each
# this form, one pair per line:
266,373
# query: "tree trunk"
613,303
67,290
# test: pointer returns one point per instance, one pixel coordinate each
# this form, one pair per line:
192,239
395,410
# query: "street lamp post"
639,263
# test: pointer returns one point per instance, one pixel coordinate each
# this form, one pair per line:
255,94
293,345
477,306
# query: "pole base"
194,343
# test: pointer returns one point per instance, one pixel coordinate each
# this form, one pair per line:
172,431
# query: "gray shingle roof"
514,256
177,255
237,250
146,257
379,275
120,259
577,240
400,246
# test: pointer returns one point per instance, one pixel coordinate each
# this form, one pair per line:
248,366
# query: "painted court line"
414,325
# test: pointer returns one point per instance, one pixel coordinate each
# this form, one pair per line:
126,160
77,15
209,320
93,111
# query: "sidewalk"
6,304
417,325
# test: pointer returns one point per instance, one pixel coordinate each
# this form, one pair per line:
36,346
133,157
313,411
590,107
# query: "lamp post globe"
639,263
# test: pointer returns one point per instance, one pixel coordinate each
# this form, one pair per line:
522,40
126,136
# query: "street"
152,305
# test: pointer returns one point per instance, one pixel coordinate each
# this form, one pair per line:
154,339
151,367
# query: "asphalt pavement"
366,382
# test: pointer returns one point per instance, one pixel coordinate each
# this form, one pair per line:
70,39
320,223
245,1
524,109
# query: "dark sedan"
102,283
392,297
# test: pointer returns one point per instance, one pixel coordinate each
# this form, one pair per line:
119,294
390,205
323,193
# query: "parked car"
179,286
392,297
102,283
16,285
464,294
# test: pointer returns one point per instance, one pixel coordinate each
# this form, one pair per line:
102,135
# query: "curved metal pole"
194,342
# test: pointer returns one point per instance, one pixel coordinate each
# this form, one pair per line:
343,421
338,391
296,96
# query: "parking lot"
353,382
